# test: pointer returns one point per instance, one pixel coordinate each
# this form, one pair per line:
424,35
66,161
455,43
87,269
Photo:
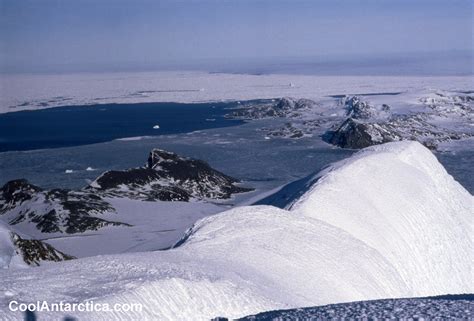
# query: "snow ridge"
388,222
400,201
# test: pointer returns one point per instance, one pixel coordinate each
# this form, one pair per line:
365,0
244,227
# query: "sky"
97,35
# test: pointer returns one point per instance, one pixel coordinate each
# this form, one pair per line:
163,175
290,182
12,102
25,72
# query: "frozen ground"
457,307
20,92
261,258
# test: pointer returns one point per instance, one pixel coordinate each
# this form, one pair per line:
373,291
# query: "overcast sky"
94,34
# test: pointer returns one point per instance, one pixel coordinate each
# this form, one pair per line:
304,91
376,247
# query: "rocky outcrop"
449,105
289,130
367,125
53,211
168,177
165,177
359,109
34,252
356,134
283,107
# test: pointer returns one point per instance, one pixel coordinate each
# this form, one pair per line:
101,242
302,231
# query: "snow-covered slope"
407,234
399,200
19,252
239,262
112,210
36,211
8,255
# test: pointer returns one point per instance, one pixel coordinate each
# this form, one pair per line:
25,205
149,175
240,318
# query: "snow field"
387,222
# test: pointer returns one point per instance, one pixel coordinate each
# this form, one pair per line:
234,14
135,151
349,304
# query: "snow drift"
240,262
388,222
398,199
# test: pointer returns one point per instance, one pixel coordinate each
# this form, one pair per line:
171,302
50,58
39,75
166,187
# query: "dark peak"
282,107
18,190
134,177
158,156
357,108
353,133
19,185
351,100
53,211
289,104
286,103
167,177
169,164
303,102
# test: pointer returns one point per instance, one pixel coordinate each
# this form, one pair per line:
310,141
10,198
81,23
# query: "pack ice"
387,222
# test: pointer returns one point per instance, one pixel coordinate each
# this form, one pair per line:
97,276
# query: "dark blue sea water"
82,125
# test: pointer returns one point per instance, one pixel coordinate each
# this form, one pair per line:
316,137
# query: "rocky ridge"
433,117
368,125
166,177
34,252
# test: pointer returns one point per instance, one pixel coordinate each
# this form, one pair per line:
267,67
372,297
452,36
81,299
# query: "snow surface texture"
399,200
457,307
259,258
8,255
20,92
76,220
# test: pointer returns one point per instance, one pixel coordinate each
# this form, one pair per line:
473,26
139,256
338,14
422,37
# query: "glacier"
388,222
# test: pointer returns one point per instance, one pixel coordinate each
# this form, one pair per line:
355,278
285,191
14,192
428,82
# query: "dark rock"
168,177
34,252
283,107
354,134
360,133
54,211
287,131
358,109
18,191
